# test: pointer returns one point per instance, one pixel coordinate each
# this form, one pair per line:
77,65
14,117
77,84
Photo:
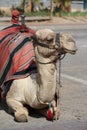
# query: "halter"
57,46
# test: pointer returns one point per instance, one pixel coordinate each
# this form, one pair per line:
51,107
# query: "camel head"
46,45
50,44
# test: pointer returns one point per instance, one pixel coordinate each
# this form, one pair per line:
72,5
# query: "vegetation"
1,13
77,13
61,8
63,5
47,13
57,8
42,13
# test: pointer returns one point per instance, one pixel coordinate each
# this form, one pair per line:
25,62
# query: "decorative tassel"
50,114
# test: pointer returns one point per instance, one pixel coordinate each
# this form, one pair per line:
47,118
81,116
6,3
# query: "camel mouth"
73,52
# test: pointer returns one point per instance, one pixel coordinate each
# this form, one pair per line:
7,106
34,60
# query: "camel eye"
50,40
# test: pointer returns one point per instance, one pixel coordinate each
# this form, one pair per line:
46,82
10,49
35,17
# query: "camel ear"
38,34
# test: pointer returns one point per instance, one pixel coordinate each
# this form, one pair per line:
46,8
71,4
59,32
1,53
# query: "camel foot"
21,116
56,113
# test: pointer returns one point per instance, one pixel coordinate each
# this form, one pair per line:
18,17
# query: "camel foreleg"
20,112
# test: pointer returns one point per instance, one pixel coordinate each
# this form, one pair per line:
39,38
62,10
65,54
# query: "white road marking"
84,46
82,81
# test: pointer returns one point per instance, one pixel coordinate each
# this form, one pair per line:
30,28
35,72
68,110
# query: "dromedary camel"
38,90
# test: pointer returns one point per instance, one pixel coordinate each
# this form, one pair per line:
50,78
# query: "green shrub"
38,13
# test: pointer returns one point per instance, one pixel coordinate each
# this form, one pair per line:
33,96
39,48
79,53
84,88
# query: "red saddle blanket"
17,57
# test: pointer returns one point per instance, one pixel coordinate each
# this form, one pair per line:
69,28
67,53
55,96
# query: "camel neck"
46,81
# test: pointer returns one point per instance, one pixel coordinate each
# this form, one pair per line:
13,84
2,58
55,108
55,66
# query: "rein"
35,41
60,57
47,46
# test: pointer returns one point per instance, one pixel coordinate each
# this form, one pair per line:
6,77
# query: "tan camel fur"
38,90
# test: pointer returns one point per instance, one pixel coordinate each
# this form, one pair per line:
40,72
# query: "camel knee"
13,104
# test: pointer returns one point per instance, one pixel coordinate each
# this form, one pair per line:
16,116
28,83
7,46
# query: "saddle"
17,57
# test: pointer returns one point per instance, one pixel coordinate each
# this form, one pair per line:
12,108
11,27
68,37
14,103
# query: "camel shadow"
33,112
3,105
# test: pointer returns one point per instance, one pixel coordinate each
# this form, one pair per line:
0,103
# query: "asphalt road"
73,94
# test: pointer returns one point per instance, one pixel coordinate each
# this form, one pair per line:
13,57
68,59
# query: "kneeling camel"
38,89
